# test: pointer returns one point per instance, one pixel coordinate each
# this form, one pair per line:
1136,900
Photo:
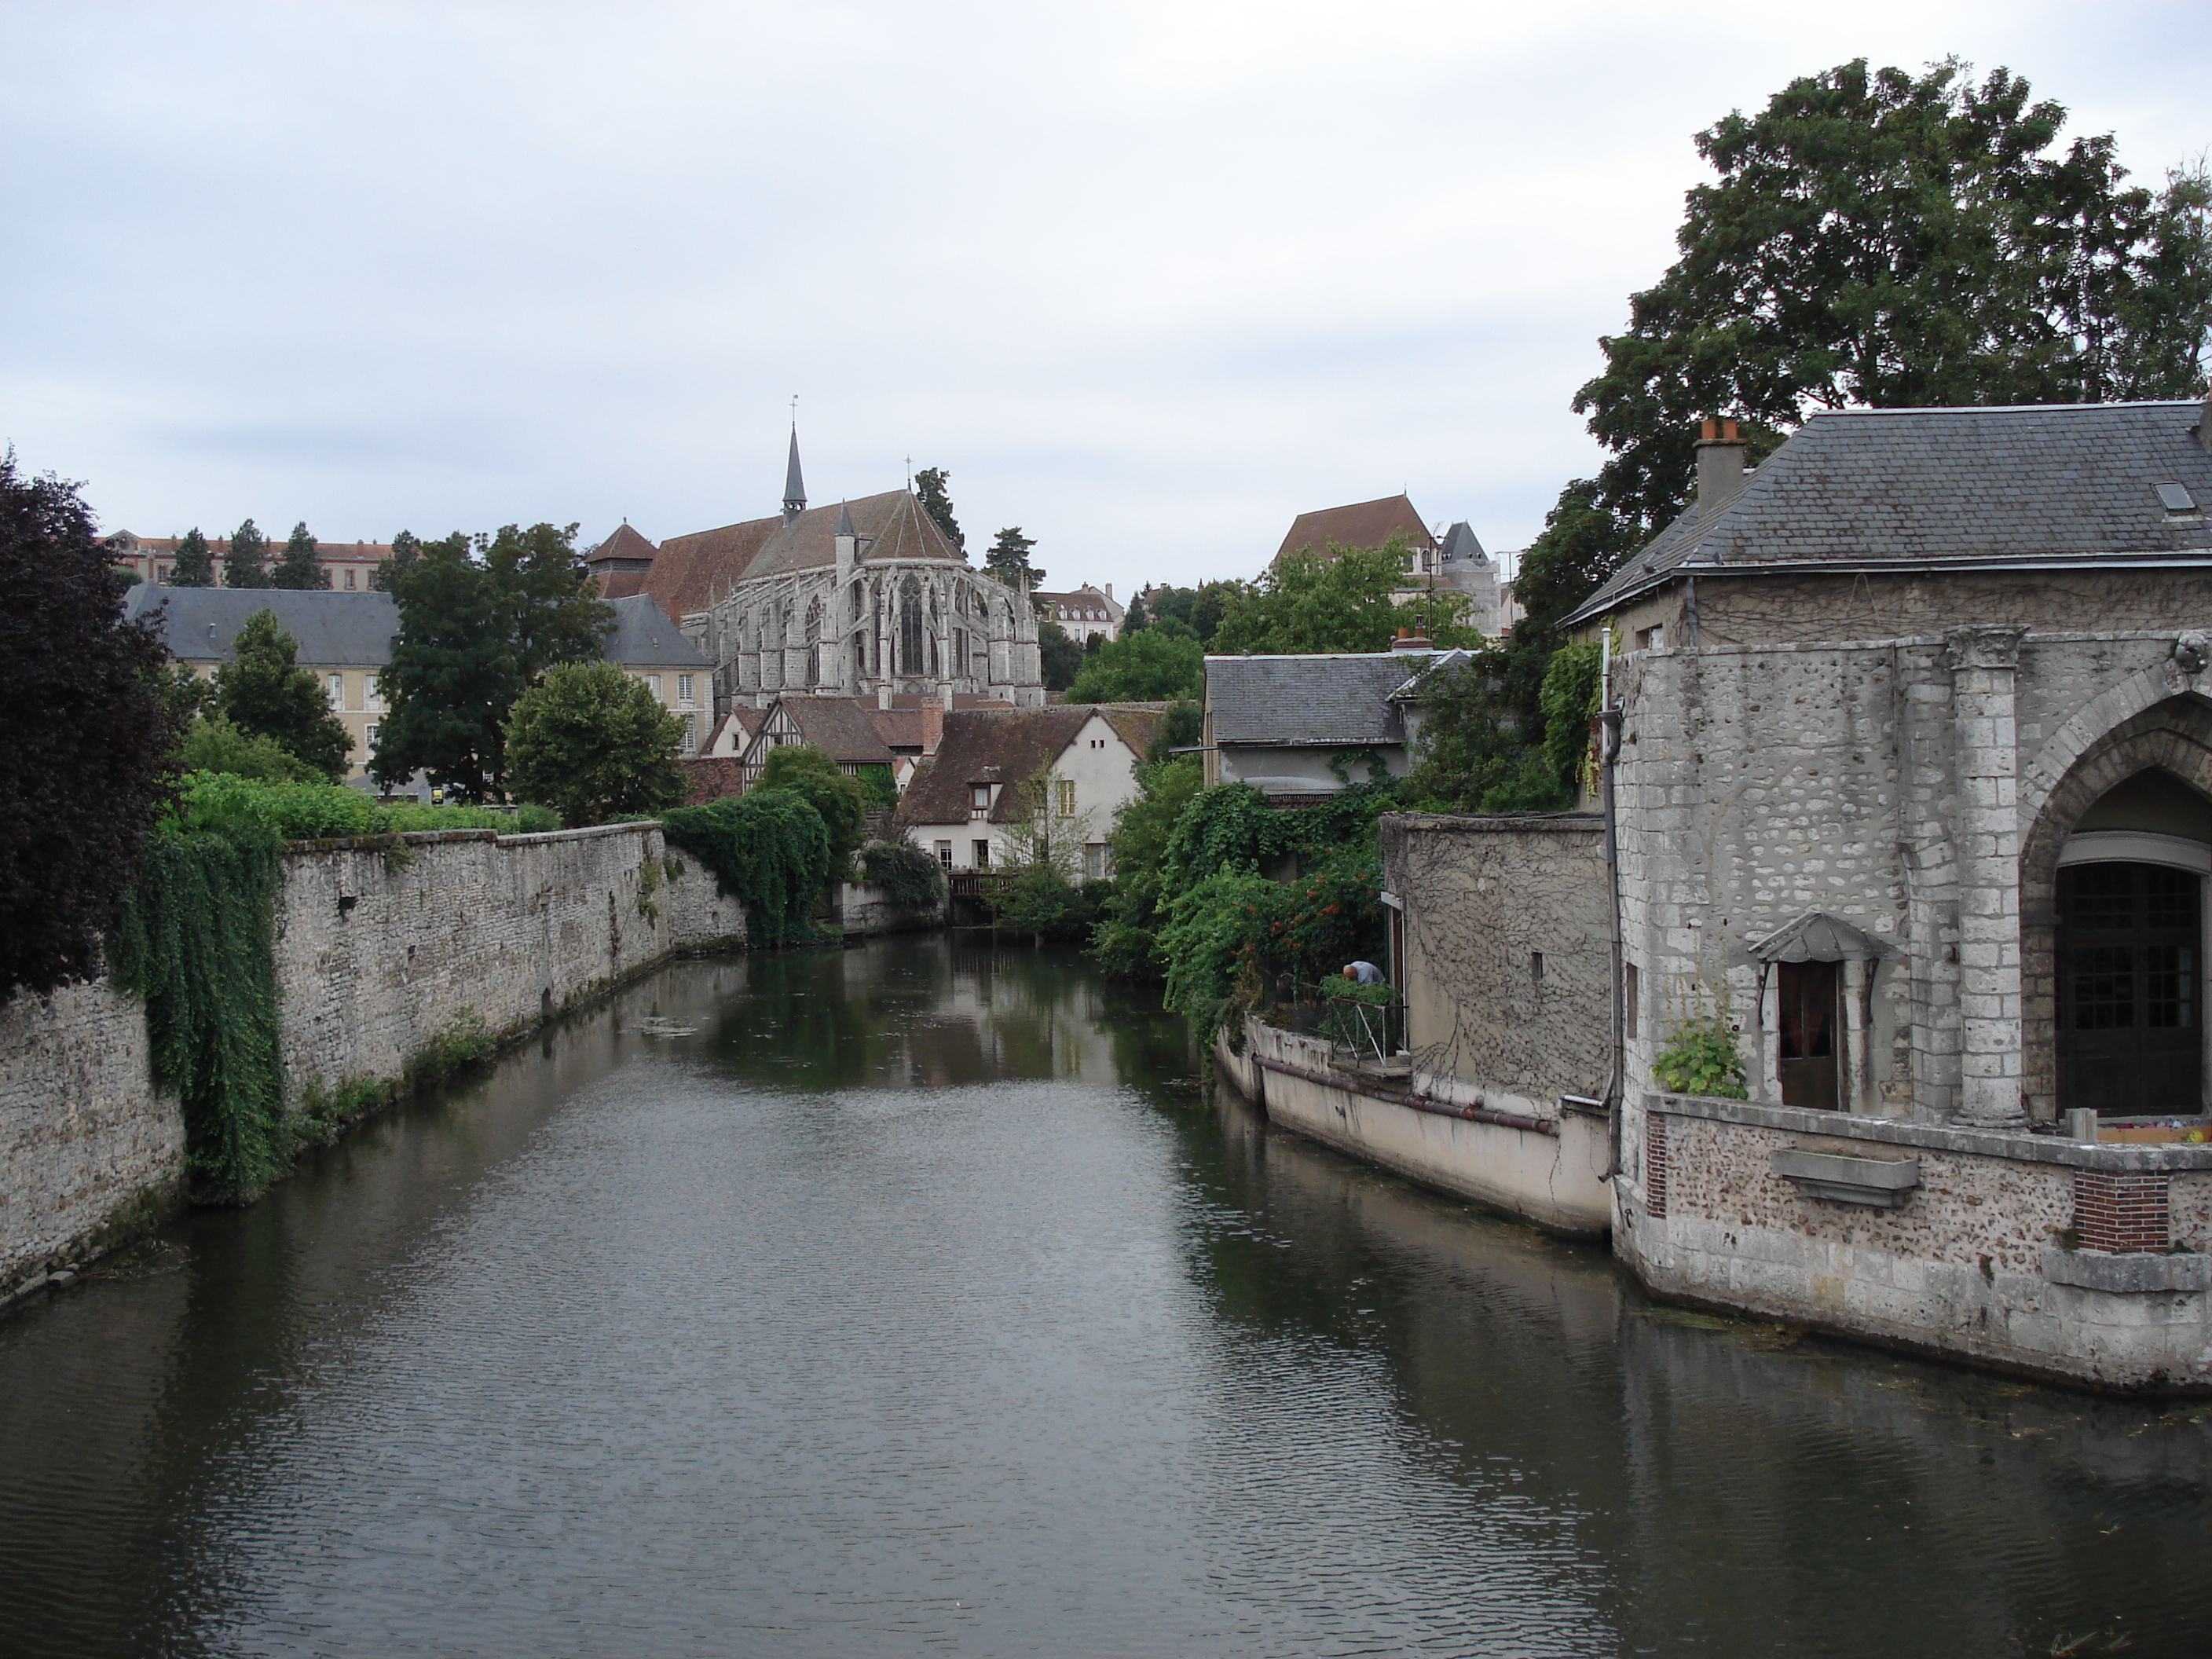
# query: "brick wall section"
1655,1165
2124,1211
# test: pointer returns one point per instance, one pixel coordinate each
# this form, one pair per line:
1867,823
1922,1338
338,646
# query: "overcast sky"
1147,279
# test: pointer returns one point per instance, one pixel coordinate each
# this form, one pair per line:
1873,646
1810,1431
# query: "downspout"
1608,756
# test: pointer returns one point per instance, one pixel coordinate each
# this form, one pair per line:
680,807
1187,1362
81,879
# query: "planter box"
1883,1182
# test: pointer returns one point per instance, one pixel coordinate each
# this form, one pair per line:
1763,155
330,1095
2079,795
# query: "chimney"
1109,590
1409,641
933,728
1720,465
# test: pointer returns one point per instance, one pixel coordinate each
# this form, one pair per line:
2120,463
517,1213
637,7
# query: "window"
1536,966
683,689
1063,791
1097,866
982,854
1628,1001
1651,639
653,684
979,799
369,736
334,688
372,693
944,854
349,587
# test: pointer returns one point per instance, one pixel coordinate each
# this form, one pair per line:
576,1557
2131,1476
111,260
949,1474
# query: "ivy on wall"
196,938
768,850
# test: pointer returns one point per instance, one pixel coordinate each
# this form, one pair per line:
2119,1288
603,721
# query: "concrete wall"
2011,1250
1484,898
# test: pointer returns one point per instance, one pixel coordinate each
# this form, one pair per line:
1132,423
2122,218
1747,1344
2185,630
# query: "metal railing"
1367,1031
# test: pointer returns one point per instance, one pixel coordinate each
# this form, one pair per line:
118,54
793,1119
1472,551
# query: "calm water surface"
914,1300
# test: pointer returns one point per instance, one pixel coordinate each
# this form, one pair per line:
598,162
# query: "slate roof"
1462,542
2062,484
839,728
1320,702
1362,524
1005,747
643,637
342,629
335,629
688,572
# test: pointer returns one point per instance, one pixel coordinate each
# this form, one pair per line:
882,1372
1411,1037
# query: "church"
869,599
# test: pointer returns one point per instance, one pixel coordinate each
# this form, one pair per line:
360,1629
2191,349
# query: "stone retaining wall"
379,946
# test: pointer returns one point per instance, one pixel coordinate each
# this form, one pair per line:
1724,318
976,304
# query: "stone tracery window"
909,652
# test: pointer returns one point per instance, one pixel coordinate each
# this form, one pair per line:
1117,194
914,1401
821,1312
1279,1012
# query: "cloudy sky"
1148,279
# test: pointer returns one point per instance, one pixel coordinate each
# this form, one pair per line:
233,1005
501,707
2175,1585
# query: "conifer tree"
301,565
194,563
247,564
406,548
1009,560
929,489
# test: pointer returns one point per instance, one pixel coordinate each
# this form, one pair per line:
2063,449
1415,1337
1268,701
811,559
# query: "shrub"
909,879
1701,1058
768,850
590,741
215,744
842,801
223,803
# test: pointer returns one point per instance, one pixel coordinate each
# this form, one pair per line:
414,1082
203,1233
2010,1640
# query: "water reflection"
915,1298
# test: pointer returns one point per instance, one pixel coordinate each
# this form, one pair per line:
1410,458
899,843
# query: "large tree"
1339,601
480,618
589,741
406,548
1879,238
301,565
246,564
1009,560
194,566
1152,667
929,489
84,737
263,692
1060,658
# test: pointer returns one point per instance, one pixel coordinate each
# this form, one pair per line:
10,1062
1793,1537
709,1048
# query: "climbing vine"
194,939
768,850
912,880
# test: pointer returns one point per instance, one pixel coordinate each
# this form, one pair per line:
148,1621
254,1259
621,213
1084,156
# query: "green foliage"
263,692
1060,658
1008,560
214,744
480,619
589,741
194,565
1040,899
1572,684
406,548
300,564
1472,754
1200,609
1700,1058
226,803
929,489
322,1114
1126,943
1235,924
1151,666
403,817
908,877
463,1040
1335,601
1181,727
768,850
194,940
1878,238
1135,619
842,801
246,564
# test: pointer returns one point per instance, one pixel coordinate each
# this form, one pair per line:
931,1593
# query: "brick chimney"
932,726
1409,641
1720,465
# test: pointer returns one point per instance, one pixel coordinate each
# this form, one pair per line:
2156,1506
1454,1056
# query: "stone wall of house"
83,1134
2076,1262
1507,955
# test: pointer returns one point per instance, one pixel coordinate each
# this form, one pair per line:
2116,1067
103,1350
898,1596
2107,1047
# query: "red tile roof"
1363,524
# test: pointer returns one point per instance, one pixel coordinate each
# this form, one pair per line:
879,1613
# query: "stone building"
1457,565
1910,739
1086,613
867,598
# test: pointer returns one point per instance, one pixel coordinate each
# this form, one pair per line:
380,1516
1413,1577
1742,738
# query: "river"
918,1300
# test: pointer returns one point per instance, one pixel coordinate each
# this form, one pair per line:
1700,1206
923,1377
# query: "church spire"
795,487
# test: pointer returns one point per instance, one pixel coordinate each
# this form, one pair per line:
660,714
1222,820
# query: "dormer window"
2176,499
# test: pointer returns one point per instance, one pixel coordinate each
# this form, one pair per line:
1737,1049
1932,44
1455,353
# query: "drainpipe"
1608,757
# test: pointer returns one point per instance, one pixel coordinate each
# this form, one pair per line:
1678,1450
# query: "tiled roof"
1363,524
1317,701
839,728
988,745
689,573
625,545
1136,723
643,637
334,628
1866,488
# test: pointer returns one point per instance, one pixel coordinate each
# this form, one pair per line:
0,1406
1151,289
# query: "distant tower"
795,487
